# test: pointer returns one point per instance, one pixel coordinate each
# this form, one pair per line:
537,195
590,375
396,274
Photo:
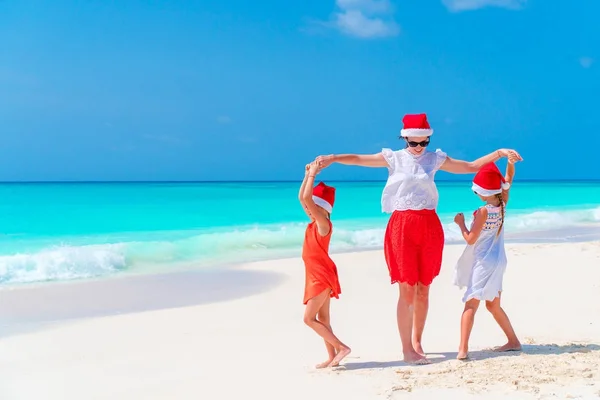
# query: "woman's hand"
459,219
324,161
511,154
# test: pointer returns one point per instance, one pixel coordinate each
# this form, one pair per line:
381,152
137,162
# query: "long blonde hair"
501,201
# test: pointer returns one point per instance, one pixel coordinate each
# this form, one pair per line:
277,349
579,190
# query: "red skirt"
413,246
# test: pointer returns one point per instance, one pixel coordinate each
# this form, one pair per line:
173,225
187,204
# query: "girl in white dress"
481,266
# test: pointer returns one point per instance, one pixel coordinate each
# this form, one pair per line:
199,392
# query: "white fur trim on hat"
415,132
323,204
489,192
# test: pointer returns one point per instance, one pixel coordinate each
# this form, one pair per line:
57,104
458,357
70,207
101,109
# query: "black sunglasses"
424,143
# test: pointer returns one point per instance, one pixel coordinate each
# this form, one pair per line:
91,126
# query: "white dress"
481,266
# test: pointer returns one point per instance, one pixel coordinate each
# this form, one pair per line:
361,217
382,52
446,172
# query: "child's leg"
502,319
466,326
310,318
324,318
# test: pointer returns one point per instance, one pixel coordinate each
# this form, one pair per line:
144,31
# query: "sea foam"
237,245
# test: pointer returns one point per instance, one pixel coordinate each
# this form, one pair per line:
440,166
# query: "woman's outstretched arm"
362,160
470,167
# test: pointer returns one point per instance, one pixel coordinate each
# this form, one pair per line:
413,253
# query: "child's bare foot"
510,346
418,348
324,364
342,353
415,358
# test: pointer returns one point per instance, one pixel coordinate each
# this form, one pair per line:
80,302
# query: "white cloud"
365,19
467,5
369,6
356,23
586,62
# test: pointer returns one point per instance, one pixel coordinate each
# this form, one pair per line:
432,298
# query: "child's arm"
509,176
472,236
321,220
301,192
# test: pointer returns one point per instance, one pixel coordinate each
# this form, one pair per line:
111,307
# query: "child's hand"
314,168
513,157
306,169
459,219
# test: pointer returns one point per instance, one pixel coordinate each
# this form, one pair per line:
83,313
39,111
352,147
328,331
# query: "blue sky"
241,90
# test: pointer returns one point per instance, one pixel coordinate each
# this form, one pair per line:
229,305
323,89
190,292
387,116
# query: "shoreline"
573,234
25,309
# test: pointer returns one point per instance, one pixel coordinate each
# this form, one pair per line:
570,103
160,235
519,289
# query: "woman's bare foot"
510,346
418,348
416,359
324,364
462,355
342,353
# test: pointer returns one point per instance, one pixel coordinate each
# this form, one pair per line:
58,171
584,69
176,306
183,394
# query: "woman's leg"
428,257
420,316
310,318
501,318
404,315
466,326
324,318
401,240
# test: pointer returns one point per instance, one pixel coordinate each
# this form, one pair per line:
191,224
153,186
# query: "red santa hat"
415,125
489,181
324,196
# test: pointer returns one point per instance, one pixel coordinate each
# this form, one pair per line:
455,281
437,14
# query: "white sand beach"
256,345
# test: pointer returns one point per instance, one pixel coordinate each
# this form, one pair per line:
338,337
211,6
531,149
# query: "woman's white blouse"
410,184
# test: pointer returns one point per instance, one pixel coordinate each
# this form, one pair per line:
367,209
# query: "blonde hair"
502,210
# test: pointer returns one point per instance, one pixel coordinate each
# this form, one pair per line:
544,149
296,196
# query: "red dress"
321,272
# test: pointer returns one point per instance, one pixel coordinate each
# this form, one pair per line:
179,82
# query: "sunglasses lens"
422,144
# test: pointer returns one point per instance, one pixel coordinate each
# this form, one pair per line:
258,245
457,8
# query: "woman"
414,238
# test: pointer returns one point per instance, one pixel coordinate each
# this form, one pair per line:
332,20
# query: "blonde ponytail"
501,201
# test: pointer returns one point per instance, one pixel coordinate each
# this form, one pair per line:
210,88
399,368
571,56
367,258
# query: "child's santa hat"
489,181
415,125
324,196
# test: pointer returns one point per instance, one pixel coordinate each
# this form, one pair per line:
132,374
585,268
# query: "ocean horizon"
63,231
437,180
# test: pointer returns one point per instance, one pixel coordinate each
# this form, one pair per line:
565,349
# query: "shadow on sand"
29,309
435,358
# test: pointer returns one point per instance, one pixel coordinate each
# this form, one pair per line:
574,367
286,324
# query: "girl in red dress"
321,273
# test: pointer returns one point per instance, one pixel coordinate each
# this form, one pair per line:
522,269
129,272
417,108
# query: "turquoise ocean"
65,231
